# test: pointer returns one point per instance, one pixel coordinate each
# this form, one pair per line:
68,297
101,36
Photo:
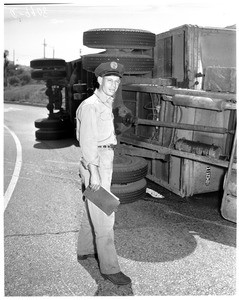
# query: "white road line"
17,169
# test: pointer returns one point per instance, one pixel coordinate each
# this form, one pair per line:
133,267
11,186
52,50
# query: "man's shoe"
85,256
118,278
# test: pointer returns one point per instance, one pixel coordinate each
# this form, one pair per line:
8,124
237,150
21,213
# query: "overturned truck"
174,113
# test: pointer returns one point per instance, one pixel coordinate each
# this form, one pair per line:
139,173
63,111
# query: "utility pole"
44,46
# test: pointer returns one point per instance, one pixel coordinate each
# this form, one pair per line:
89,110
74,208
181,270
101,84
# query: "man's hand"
94,177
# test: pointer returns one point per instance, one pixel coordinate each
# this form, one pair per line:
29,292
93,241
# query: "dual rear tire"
133,63
52,129
119,38
125,46
128,180
49,69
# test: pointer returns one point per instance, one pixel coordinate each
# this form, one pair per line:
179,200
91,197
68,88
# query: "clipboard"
102,198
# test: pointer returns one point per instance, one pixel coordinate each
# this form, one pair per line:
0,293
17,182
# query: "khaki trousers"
96,232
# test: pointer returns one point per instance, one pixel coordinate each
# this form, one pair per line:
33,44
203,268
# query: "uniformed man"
96,136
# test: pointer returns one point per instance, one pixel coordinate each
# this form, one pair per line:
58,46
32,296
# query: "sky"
26,26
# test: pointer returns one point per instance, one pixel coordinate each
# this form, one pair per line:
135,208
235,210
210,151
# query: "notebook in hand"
102,198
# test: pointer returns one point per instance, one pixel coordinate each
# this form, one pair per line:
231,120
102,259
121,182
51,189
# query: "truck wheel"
133,63
131,192
48,134
47,74
127,169
47,63
50,123
119,38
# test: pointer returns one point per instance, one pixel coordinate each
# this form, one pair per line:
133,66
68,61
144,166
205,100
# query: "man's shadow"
105,287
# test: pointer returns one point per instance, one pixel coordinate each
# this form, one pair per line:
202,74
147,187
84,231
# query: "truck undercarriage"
175,109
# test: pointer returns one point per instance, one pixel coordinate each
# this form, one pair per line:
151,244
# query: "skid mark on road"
17,169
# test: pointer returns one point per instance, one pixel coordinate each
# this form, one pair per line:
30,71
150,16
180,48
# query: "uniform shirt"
94,127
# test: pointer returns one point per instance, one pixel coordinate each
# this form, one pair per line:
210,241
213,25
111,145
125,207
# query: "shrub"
21,72
29,93
14,80
11,70
25,78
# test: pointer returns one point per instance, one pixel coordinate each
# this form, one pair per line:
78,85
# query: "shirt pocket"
106,115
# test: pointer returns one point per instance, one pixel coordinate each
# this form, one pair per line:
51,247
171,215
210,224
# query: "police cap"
109,68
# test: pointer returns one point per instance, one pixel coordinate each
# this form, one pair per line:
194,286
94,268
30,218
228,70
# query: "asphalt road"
168,246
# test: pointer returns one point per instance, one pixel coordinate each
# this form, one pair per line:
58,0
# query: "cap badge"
113,65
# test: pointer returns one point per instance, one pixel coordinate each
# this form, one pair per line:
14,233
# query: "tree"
6,63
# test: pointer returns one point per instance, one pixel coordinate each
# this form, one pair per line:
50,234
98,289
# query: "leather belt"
111,146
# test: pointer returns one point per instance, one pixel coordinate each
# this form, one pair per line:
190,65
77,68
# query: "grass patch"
28,94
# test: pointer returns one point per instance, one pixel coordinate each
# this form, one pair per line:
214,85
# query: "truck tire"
127,169
131,192
47,74
50,123
115,38
47,63
48,134
133,63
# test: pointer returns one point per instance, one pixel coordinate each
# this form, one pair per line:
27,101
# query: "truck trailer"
174,112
